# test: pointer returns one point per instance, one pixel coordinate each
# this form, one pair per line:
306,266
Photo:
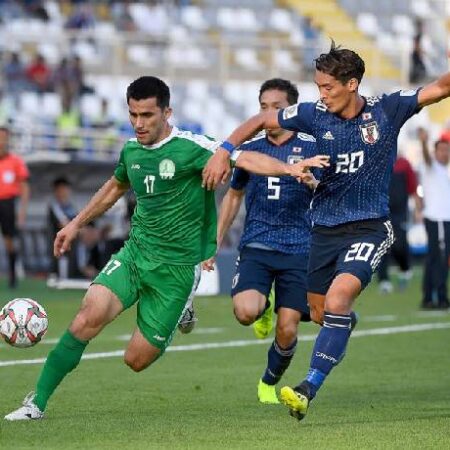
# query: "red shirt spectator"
39,74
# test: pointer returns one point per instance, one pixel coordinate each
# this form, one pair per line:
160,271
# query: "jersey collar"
159,144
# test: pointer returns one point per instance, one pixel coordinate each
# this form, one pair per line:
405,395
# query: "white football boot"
29,411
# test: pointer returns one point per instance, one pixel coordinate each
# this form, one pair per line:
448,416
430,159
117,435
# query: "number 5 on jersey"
273,188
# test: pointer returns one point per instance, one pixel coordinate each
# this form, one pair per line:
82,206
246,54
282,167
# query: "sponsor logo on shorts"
159,338
135,166
235,281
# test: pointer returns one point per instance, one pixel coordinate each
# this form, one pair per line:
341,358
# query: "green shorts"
160,289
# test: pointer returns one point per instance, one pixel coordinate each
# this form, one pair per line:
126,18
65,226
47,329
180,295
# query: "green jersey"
175,218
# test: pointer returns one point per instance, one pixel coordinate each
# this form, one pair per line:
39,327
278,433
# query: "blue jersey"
362,153
277,207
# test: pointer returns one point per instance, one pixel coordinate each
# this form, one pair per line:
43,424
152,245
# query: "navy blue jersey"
277,207
362,153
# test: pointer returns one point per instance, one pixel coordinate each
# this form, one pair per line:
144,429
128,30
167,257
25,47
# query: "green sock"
60,361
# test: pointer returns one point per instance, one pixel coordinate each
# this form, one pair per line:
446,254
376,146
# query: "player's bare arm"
218,167
104,198
228,210
423,138
435,91
24,199
261,164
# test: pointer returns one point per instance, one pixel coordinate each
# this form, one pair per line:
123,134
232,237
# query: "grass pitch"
391,392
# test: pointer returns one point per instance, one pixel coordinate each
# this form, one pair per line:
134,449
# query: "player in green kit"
173,230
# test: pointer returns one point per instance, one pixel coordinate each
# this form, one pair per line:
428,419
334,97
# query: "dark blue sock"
278,360
328,349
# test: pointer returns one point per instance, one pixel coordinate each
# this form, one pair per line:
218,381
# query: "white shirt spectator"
436,192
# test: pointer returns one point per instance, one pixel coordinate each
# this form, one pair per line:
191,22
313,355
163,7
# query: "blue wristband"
228,146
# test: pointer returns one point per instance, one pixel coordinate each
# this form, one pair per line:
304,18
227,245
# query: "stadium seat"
192,17
247,59
402,25
281,20
421,8
367,23
51,104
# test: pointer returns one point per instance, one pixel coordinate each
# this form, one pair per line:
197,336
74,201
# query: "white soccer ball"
23,322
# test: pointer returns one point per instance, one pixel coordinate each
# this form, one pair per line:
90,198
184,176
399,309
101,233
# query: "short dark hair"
280,85
148,87
440,141
60,181
341,63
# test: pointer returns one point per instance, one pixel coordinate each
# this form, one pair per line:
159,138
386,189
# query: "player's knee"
136,363
286,334
85,321
244,314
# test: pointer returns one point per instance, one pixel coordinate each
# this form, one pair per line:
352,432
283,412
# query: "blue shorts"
258,269
355,248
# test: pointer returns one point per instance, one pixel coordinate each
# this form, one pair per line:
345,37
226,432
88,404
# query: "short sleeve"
121,169
22,170
239,179
401,105
299,117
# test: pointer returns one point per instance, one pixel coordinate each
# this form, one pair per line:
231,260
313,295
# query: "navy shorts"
8,217
355,248
258,269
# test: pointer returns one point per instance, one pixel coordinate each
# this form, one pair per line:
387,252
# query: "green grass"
391,392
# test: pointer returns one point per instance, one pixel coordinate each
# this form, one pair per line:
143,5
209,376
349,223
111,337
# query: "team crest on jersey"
166,169
294,159
369,132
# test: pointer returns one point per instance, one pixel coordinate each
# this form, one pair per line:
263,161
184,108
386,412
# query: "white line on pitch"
246,343
385,318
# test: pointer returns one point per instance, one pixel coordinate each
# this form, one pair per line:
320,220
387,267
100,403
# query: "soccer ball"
23,322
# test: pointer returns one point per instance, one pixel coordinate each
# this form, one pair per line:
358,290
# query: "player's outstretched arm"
436,91
261,164
218,167
299,169
104,198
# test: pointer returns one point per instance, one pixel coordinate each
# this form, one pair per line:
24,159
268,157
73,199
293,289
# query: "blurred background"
65,67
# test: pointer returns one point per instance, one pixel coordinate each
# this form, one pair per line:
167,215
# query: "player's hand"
296,170
309,179
209,264
422,134
64,239
217,169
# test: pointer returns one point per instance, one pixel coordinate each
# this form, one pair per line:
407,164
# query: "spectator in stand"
68,124
39,75
14,76
64,80
312,38
81,18
13,185
403,185
436,194
61,211
77,70
418,70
